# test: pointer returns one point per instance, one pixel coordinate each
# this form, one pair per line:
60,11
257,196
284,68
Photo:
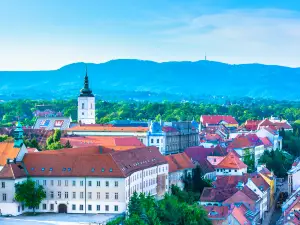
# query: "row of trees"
107,111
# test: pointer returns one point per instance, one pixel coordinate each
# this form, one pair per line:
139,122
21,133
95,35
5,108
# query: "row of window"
81,207
224,170
81,195
66,183
146,173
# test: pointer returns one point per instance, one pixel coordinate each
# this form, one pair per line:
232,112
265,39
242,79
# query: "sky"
48,34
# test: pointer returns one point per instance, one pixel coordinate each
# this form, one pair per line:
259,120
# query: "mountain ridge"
185,78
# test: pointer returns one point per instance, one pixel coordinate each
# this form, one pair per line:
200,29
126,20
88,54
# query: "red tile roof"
210,194
179,162
254,139
239,214
259,181
81,162
108,129
217,212
229,181
80,141
252,124
240,197
265,122
266,141
240,142
199,154
216,119
231,161
7,151
283,124
12,171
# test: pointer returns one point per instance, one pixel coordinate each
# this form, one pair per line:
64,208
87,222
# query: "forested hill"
147,80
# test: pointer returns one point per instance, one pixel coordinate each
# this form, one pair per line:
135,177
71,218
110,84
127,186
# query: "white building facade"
94,188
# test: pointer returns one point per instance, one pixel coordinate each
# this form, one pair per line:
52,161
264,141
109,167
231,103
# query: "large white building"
86,104
86,180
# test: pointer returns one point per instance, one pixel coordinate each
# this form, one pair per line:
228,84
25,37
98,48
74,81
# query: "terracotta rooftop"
210,194
259,181
216,119
240,141
108,129
12,171
179,162
239,214
94,161
266,141
7,151
79,141
240,197
252,124
217,212
229,181
231,161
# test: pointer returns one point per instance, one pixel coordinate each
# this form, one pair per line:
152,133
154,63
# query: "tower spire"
86,91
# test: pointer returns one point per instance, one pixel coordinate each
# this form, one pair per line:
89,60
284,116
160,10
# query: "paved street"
57,219
274,214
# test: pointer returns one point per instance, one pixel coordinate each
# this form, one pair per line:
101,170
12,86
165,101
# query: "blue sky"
48,34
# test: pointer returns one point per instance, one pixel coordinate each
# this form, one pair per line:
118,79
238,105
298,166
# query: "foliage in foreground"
277,162
30,194
144,210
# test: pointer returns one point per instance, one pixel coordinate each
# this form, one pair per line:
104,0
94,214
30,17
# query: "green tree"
134,206
56,135
68,144
29,193
248,159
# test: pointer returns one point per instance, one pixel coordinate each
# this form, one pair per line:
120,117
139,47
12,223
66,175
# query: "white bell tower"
86,104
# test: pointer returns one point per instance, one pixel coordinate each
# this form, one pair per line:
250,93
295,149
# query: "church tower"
86,104
18,136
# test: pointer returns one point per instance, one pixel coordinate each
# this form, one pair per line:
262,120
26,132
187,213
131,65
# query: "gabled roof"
7,151
199,154
240,197
271,130
229,181
266,141
12,171
101,128
254,139
179,161
252,124
239,214
94,161
217,212
216,119
265,122
241,141
81,141
282,125
259,181
210,194
231,161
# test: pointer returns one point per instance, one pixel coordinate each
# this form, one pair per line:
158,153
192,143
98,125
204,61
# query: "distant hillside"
146,80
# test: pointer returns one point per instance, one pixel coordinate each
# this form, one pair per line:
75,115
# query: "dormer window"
50,169
64,169
93,169
32,168
43,169
102,169
69,169
110,170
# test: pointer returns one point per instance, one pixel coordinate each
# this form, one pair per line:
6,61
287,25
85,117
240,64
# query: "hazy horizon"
46,35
